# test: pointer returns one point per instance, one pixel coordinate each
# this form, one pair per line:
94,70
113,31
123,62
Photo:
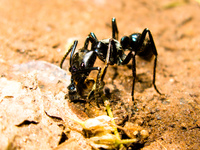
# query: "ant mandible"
137,43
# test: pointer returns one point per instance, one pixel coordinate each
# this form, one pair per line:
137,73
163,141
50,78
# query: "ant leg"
154,76
134,76
101,74
90,38
114,29
154,50
127,58
94,85
130,55
107,59
72,48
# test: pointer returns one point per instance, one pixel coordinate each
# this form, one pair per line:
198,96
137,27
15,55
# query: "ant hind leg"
154,50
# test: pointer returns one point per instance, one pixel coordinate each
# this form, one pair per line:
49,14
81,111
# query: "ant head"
77,65
124,42
74,63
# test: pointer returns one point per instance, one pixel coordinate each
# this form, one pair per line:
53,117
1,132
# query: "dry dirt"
34,108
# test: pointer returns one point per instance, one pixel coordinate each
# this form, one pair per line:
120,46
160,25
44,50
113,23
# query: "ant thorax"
117,44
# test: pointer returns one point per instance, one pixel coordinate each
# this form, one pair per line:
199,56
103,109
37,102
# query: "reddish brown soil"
40,30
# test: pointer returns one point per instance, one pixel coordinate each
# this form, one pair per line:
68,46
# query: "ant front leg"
94,87
72,48
154,50
102,72
99,84
107,62
131,55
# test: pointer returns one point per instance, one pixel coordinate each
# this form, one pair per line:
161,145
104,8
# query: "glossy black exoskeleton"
143,46
81,64
110,51
137,44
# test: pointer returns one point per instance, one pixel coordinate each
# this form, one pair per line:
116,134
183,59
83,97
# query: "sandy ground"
34,108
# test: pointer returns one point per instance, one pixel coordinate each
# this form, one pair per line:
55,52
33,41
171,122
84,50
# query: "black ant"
81,64
111,52
136,43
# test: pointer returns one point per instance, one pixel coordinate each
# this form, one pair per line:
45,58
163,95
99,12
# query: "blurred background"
43,30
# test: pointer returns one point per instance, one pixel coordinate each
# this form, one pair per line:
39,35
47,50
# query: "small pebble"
183,126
